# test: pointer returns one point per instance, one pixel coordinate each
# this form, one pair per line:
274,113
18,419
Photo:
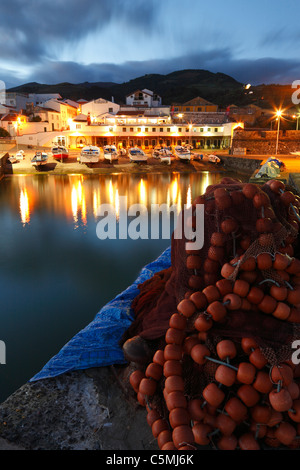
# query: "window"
176,109
153,129
78,126
131,129
187,109
124,129
168,129
201,129
199,110
216,129
179,129
146,129
110,110
139,129
161,129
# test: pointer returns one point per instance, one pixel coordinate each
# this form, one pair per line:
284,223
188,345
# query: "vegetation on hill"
175,87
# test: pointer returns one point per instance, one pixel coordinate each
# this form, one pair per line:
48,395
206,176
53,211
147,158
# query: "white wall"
98,107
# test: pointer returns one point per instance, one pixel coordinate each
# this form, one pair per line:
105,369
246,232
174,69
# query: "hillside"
175,87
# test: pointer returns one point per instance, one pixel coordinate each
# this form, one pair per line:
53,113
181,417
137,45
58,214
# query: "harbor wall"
263,142
3,158
241,164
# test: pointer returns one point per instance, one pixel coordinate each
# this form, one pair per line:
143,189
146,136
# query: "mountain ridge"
176,87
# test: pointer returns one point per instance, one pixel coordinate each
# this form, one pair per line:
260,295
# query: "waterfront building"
99,107
144,98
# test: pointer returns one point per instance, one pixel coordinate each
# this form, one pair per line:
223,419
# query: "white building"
98,108
64,113
19,101
144,98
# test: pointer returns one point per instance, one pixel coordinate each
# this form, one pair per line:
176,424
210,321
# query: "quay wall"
3,158
240,164
263,142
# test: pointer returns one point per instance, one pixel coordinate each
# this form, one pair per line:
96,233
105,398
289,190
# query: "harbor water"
55,271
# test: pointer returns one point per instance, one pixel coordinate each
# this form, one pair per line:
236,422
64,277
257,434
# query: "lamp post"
278,114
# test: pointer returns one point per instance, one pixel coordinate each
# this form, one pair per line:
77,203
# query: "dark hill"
176,87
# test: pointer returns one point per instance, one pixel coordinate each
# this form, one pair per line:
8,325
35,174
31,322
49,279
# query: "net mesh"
160,296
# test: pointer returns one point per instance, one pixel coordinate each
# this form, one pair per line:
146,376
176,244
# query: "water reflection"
24,207
78,197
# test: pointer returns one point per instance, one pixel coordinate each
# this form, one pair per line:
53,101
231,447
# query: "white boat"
110,153
137,155
182,153
40,158
59,152
164,154
89,154
20,155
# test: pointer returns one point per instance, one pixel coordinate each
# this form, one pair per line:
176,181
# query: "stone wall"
241,164
263,142
3,158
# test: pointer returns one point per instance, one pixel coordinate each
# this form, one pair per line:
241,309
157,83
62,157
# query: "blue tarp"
97,344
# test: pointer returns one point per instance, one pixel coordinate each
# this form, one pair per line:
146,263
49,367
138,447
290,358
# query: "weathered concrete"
241,164
94,409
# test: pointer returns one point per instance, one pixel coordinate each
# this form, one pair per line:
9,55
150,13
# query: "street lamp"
278,114
297,116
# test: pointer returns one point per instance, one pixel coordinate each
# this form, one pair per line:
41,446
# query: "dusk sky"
116,40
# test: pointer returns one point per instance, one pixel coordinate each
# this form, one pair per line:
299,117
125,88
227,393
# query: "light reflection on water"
79,197
55,274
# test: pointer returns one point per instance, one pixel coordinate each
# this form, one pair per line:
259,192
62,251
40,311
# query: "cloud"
255,71
31,30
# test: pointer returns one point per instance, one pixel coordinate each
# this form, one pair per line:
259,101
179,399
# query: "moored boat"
40,158
182,153
89,154
59,152
110,153
137,155
165,154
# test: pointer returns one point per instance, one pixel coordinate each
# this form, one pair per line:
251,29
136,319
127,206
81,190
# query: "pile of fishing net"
222,324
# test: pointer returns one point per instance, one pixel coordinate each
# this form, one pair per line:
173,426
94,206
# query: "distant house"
196,105
144,98
20,101
246,114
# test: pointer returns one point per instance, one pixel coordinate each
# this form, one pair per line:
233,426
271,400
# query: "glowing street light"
278,114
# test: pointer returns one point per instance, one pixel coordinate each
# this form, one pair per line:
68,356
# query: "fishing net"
242,286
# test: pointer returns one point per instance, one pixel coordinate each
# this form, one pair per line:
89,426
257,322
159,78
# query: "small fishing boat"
60,152
89,154
110,153
137,155
20,155
165,154
40,158
182,153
